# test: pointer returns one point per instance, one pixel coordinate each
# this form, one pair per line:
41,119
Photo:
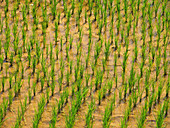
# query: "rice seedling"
160,89
19,117
147,83
10,98
38,113
106,118
1,61
1,115
56,32
47,48
33,65
104,64
81,71
47,93
124,66
165,63
89,116
107,46
34,88
151,98
136,50
110,85
11,59
166,107
3,83
158,61
22,72
57,52
70,66
135,98
19,84
53,87
5,106
153,54
120,95
61,44
10,81
53,119
99,96
141,119
104,91
160,117
132,77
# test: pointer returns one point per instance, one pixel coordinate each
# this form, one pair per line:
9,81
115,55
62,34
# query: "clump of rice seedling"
132,77
166,107
3,83
47,93
104,92
160,117
19,117
56,32
104,64
70,66
34,88
47,48
106,118
110,85
10,81
100,78
96,82
53,87
68,78
151,97
1,61
124,66
33,65
107,52
136,50
11,59
120,95
5,106
87,77
42,84
99,96
160,89
126,115
165,63
54,116
38,113
141,119
115,63
135,98
147,83
125,90
158,61
89,116
10,98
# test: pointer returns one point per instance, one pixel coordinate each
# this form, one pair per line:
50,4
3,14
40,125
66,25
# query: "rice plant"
39,112
106,118
89,116
160,117
54,116
141,119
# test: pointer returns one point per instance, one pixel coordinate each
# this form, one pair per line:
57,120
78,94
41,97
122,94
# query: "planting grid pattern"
88,43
